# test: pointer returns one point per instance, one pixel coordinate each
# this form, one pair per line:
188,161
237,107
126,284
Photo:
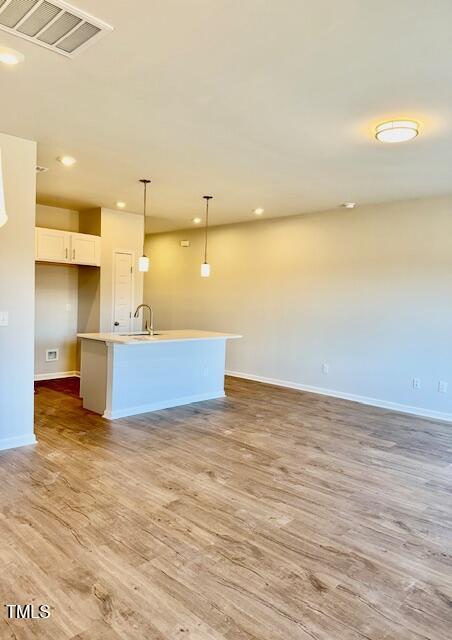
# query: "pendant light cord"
144,215
145,183
207,198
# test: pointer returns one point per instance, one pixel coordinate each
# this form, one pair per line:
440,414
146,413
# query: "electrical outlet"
325,368
52,355
443,386
4,318
416,384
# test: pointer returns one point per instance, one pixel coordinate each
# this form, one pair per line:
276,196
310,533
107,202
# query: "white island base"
127,375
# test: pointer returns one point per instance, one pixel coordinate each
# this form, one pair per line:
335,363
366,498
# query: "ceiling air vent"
55,25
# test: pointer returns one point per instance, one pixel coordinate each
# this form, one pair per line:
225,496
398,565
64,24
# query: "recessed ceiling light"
397,131
121,205
258,211
348,205
10,56
67,161
197,220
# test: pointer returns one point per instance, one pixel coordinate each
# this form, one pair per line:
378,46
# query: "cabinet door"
52,245
85,249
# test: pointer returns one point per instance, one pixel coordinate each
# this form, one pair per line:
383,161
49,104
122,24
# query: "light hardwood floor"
270,515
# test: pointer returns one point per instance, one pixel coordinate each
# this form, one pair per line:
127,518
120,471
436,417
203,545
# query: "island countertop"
172,335
170,369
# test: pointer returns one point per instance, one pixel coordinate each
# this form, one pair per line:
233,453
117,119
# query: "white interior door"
123,292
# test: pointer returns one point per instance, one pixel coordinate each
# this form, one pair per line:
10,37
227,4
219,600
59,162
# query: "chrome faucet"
147,327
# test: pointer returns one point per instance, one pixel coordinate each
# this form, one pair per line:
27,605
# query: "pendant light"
205,267
3,216
143,262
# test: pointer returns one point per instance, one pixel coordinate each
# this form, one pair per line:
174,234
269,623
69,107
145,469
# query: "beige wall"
120,231
57,218
56,318
367,291
17,292
56,296
88,300
89,280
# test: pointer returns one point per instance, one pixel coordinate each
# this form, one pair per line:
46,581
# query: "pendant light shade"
205,267
143,262
205,270
3,216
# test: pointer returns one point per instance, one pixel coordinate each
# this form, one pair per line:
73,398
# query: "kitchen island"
128,374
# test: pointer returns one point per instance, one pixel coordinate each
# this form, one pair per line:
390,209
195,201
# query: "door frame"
113,284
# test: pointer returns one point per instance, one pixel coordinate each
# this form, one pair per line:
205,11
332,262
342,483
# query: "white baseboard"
158,406
56,376
20,441
374,402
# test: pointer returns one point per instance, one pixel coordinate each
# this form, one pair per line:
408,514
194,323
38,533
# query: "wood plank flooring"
270,515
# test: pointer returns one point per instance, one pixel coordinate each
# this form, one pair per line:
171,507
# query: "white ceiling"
260,103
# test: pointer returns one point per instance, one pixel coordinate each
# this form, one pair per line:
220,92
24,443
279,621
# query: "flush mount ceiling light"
205,267
259,211
197,220
348,205
143,262
397,131
121,205
67,161
10,56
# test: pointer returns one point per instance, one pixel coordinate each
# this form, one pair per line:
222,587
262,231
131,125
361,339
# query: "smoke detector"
53,24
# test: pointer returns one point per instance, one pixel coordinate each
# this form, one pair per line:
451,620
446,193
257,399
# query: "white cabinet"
85,249
53,245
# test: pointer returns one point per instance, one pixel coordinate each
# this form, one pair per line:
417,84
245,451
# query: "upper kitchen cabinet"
67,247
85,249
52,245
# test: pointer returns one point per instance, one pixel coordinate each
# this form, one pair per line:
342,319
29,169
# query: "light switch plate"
4,318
